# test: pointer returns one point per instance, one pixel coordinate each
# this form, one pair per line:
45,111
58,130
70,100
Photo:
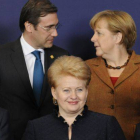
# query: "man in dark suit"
22,72
4,125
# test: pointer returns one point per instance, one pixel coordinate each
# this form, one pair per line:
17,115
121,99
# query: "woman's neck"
118,58
69,117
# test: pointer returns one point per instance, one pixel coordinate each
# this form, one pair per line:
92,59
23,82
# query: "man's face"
43,35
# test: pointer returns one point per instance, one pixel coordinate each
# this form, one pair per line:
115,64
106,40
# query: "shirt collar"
28,49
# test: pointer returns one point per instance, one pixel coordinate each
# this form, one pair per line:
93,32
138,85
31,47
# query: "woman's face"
71,94
104,40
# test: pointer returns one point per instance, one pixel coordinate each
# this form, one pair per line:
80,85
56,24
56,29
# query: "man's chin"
48,46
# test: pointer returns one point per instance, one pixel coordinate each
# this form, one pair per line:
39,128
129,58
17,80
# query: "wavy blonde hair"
118,21
68,65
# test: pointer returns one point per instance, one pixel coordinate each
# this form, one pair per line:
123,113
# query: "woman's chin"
99,54
74,110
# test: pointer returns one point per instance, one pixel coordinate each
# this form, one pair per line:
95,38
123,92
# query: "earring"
55,102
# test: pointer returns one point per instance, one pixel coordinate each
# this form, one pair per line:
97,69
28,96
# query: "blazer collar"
101,71
130,69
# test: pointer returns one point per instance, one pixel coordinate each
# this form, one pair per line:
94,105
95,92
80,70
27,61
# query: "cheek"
47,36
104,45
43,37
83,97
62,97
101,42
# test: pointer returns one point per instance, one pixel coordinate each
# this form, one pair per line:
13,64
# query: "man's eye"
50,27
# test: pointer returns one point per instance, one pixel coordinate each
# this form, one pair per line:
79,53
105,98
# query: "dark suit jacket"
16,94
137,132
90,126
4,125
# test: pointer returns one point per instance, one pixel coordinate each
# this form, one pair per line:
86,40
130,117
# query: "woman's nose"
93,39
73,95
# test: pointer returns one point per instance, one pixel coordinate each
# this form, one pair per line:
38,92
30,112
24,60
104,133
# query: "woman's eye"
98,33
79,90
66,90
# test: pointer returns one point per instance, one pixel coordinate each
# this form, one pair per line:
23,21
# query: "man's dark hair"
34,9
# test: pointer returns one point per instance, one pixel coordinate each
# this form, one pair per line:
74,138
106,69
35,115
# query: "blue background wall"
74,15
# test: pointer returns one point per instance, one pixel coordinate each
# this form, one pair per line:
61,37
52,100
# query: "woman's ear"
118,37
53,92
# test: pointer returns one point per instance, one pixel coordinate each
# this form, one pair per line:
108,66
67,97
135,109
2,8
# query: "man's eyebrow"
51,25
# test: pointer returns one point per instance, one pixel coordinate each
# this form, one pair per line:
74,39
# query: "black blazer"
91,126
4,125
137,132
16,94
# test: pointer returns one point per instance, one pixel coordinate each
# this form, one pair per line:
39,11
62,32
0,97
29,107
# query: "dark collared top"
88,126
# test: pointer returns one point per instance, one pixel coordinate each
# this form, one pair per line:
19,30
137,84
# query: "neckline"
81,115
117,67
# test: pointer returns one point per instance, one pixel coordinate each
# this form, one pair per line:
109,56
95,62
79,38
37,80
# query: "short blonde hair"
118,21
68,65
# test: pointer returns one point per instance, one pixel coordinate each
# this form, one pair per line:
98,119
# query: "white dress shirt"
30,58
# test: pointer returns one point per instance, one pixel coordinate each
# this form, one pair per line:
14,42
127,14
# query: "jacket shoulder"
94,61
58,50
43,120
102,119
108,124
5,48
99,116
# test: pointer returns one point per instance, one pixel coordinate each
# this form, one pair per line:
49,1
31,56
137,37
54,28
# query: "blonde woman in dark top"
69,78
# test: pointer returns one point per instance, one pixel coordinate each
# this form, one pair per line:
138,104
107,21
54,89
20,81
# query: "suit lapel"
129,70
101,71
20,65
50,55
49,58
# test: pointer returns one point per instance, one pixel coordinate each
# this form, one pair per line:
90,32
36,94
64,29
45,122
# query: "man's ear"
118,37
53,92
28,27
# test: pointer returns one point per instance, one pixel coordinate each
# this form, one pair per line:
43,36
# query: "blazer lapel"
49,58
101,71
20,65
129,70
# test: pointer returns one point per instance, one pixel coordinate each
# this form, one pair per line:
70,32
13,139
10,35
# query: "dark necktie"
38,76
